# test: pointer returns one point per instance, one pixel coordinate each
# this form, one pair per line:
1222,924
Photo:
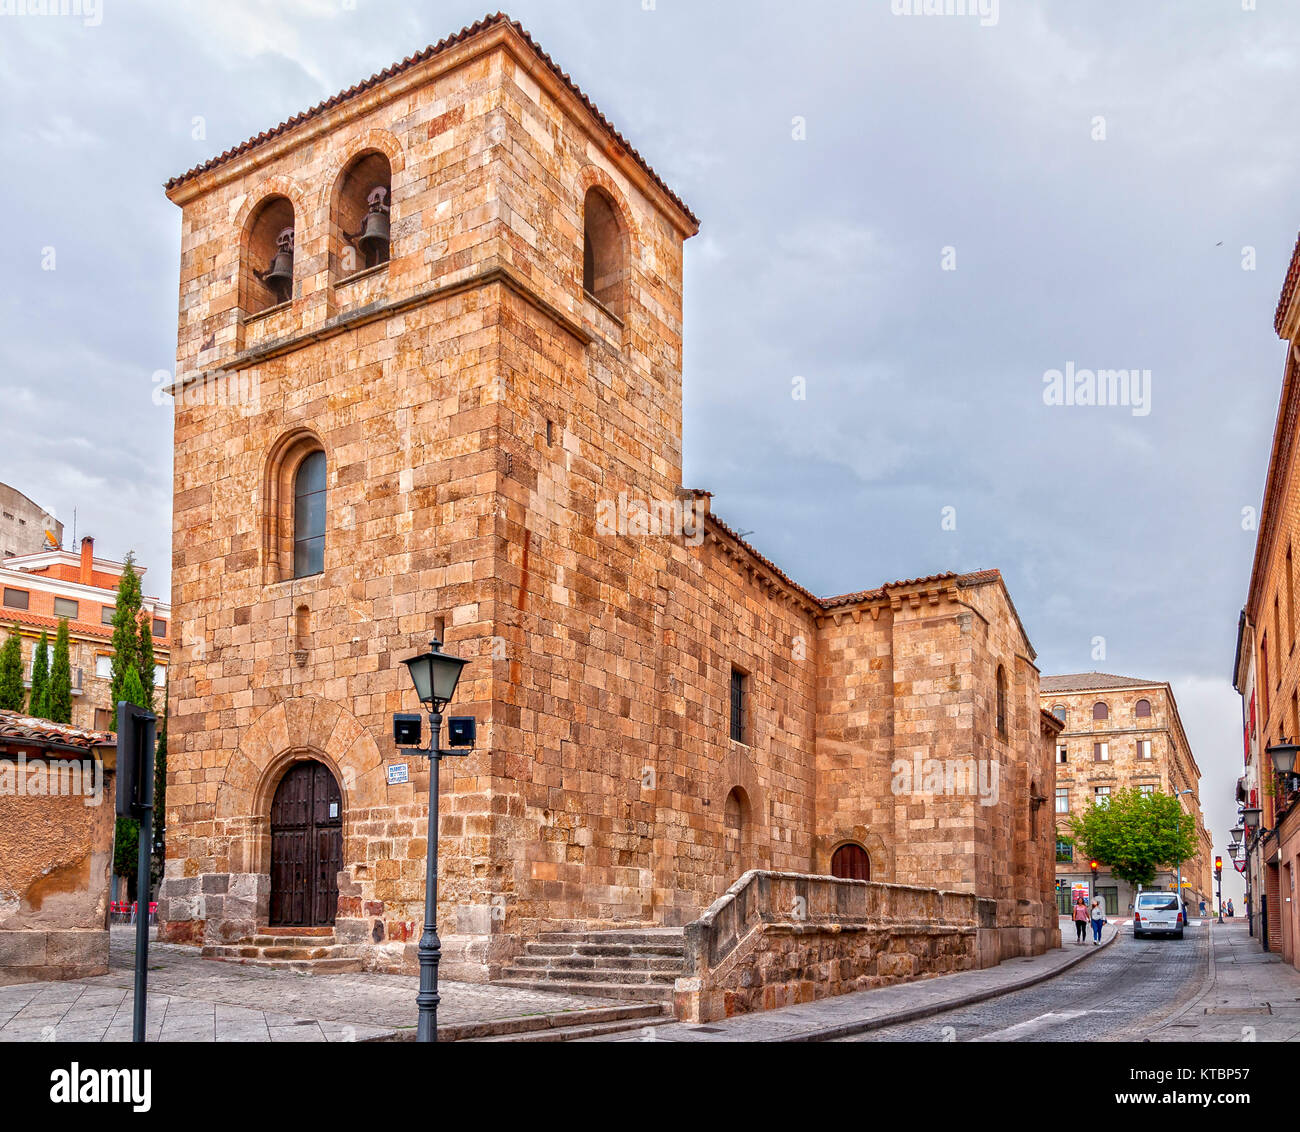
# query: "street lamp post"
435,675
1178,794
1237,853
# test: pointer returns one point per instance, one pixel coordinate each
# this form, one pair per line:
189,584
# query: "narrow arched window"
309,516
604,253
1144,709
1100,711
1002,701
1059,712
266,273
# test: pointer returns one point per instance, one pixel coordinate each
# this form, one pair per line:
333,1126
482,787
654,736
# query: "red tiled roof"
462,36
25,729
1288,288
1092,681
42,621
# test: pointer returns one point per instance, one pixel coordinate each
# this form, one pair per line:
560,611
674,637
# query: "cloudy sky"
972,203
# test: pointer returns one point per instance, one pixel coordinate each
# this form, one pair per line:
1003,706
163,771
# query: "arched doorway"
306,846
735,819
850,862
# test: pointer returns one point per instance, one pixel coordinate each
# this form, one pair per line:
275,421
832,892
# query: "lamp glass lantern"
1250,815
435,675
1236,833
1283,756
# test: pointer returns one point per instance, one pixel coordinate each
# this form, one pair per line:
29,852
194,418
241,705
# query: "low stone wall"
776,939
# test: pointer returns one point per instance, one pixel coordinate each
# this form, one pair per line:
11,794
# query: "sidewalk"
202,1000
1250,995
861,1011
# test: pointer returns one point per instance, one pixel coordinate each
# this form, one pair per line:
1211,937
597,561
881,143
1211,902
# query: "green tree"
39,704
60,688
126,632
1135,834
146,659
11,672
126,833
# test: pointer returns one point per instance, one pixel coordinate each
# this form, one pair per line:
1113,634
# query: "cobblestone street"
201,1000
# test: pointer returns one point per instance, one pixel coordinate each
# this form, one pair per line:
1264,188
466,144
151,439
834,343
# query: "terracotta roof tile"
42,621
1092,681
464,35
1288,288
24,728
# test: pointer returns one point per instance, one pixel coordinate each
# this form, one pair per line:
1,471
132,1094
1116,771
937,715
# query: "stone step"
591,975
334,965
579,1032
664,936
671,964
544,947
292,940
641,992
625,1013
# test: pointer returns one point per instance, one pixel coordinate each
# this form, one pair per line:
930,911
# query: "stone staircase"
290,949
636,964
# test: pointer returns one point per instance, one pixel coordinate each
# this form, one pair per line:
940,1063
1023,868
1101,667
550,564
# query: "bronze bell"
279,276
373,241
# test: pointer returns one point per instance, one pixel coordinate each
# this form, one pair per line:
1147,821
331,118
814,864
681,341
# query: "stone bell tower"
424,327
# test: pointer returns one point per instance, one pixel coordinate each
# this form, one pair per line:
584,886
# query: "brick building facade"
39,590
474,431
1122,732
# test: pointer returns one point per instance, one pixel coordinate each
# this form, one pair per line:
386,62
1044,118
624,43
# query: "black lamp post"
435,675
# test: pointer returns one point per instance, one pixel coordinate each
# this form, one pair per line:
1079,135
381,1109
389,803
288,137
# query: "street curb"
912,1014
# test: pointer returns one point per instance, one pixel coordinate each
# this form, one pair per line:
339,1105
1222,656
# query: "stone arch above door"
303,724
882,860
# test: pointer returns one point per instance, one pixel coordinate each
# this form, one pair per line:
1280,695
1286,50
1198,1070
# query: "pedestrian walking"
1202,908
1230,912
1098,914
1080,917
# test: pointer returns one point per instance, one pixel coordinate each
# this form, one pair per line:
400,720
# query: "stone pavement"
885,1006
1250,995
202,1000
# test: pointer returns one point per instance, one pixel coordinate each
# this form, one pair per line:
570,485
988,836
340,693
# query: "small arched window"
1002,701
309,516
1059,712
1143,709
604,253
735,818
1100,711
266,274
362,214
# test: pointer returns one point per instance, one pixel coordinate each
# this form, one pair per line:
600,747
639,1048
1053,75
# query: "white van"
1157,913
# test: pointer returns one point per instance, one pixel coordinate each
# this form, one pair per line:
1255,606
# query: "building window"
1143,709
361,214
737,705
104,666
159,627
1002,702
16,599
159,675
106,613
266,274
1144,748
851,862
1101,795
604,252
309,516
1064,850
65,607
1100,711
1101,752
1147,788
1062,753
104,720
1059,712
1063,800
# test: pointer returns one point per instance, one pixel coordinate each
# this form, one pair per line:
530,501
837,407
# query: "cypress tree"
146,659
39,704
11,673
60,689
126,639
